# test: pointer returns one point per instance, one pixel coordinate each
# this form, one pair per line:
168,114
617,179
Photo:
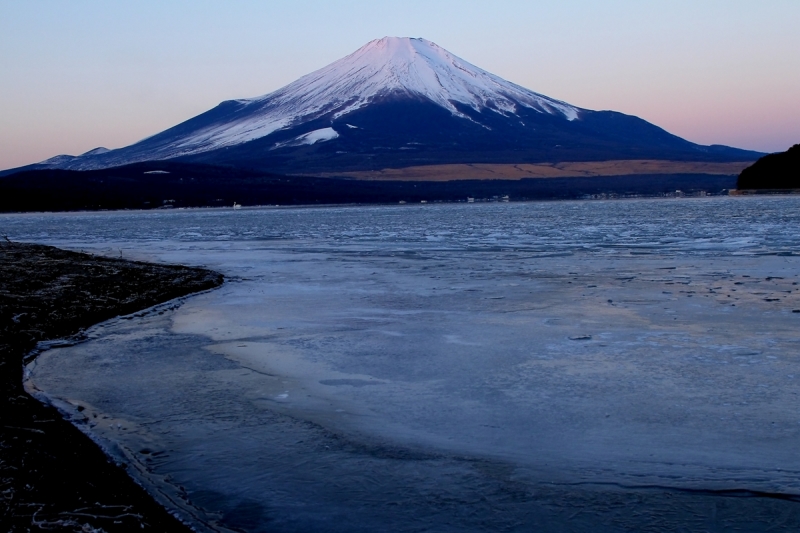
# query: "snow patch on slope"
313,137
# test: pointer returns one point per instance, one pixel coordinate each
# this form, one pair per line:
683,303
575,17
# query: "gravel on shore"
52,476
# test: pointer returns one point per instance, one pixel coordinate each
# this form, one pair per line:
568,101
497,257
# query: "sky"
86,73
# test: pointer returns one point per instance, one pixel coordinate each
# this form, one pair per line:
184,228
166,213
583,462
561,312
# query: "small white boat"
470,200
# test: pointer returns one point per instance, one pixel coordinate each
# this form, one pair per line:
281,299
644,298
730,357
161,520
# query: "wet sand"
52,476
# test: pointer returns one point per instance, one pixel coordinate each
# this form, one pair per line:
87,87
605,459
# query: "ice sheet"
502,367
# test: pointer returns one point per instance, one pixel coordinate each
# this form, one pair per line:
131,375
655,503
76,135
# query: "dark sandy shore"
53,477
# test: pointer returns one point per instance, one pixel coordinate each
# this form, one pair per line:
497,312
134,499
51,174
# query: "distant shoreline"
598,197
767,192
191,185
51,474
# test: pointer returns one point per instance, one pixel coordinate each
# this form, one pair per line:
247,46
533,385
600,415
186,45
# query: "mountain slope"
401,102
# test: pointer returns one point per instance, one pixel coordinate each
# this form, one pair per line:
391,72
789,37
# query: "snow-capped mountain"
400,102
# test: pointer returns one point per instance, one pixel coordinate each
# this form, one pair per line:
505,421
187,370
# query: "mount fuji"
401,102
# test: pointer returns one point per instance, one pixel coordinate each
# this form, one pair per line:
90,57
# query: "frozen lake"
570,366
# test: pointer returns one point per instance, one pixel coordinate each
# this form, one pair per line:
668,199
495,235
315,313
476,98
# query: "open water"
568,366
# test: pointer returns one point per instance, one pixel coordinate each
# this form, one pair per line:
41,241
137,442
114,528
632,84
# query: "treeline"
163,184
773,171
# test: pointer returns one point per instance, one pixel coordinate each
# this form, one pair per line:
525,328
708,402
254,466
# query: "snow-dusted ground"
541,366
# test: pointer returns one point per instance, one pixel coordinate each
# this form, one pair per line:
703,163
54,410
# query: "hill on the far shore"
773,171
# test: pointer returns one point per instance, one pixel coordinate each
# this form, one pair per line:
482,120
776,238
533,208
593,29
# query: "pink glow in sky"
77,75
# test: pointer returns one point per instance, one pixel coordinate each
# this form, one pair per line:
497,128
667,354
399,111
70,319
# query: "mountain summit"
412,68
398,102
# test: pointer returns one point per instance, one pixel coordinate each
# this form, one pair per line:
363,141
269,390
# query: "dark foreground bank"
53,477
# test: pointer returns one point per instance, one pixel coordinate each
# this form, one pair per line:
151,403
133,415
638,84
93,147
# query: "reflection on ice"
517,367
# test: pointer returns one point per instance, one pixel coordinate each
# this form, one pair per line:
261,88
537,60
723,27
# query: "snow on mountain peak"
384,67
415,67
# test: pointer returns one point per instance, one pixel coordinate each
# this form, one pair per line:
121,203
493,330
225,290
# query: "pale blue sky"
85,73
